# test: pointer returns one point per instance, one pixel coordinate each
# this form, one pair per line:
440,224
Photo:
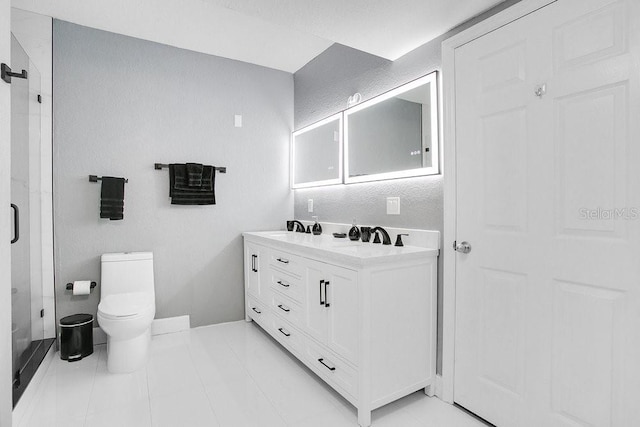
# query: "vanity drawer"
257,312
286,262
287,309
288,285
287,335
331,368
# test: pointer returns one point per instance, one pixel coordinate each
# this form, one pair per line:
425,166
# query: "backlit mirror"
394,135
316,154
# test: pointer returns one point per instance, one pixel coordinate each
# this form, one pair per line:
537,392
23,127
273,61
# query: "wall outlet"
309,205
393,205
237,120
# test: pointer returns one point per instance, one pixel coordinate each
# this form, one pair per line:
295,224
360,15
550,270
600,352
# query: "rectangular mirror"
394,135
316,154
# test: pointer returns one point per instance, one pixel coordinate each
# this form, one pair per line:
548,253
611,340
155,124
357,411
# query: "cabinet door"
341,301
255,271
315,313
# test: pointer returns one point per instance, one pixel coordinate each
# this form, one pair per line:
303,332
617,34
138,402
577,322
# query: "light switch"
237,120
393,205
310,205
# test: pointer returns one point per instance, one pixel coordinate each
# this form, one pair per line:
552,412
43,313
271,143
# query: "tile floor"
231,375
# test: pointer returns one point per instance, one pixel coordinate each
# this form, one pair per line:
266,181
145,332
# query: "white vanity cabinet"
361,316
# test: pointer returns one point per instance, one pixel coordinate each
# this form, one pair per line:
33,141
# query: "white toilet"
127,307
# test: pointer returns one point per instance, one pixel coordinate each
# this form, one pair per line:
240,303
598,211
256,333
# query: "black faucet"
386,240
298,224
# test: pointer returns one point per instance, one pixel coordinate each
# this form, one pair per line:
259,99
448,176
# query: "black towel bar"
159,166
70,286
96,178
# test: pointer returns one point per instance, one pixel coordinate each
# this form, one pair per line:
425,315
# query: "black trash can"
76,337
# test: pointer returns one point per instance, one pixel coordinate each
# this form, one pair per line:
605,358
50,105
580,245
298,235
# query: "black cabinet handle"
284,261
321,283
326,295
279,282
16,223
284,333
283,308
331,368
256,310
253,263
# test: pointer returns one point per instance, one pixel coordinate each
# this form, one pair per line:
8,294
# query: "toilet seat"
126,305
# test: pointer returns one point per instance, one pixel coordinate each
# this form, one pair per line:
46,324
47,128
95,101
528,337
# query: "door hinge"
6,74
39,99
455,243
42,313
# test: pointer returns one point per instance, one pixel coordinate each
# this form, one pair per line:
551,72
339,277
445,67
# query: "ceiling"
280,34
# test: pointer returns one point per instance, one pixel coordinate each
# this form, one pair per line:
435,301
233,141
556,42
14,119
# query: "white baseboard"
28,397
438,386
170,325
158,327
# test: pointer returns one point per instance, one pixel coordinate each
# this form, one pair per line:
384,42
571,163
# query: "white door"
342,311
315,312
253,266
548,196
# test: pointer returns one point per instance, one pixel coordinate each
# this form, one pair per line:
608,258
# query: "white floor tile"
185,408
135,413
241,403
229,375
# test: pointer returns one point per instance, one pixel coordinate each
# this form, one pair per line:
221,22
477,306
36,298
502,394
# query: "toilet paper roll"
81,287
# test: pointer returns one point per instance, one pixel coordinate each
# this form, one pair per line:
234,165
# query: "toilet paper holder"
70,286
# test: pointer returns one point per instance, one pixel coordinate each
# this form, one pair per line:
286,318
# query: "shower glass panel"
27,327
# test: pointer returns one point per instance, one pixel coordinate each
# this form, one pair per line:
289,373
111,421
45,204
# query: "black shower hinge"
39,99
6,73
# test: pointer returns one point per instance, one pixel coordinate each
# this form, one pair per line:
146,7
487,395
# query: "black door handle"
256,310
284,333
16,223
326,295
331,368
321,283
283,308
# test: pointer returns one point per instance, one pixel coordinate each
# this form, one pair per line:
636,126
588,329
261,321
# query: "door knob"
463,247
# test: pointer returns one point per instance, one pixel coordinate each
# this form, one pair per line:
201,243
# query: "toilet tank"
126,272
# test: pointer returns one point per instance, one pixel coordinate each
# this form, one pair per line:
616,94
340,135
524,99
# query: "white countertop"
340,249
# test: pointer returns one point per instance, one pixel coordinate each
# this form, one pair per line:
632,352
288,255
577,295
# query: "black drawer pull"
279,282
321,284
256,310
284,333
331,368
284,261
283,308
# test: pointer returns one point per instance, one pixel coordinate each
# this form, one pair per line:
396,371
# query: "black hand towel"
112,198
194,174
182,194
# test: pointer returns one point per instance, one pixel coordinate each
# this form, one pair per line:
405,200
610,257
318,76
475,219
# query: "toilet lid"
129,304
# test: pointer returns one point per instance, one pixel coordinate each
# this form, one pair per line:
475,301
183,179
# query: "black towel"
194,174
112,198
182,194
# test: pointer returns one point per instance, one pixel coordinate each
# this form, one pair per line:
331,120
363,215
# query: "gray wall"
122,104
322,88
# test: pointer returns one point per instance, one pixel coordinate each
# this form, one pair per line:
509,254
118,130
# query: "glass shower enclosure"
27,328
